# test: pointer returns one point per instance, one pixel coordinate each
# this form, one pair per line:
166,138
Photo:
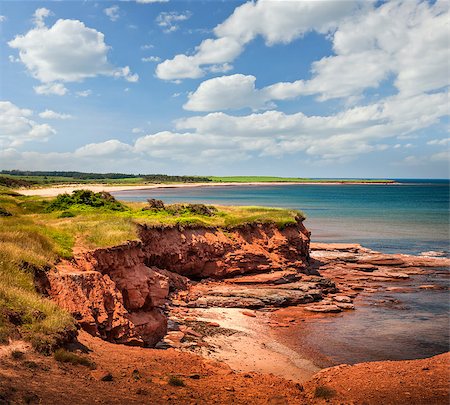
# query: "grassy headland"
37,232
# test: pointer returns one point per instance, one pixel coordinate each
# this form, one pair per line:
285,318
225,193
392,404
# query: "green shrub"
85,198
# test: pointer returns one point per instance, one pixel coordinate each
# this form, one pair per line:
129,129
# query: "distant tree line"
75,175
154,178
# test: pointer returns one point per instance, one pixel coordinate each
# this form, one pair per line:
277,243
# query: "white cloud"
137,130
52,115
238,91
151,59
84,93
17,126
396,38
147,46
68,51
275,21
112,13
111,147
348,133
439,142
57,89
2,18
372,43
40,15
169,20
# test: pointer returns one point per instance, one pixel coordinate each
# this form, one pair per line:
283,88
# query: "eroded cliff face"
120,293
217,253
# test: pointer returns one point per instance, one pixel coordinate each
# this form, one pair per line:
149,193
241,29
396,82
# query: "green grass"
268,179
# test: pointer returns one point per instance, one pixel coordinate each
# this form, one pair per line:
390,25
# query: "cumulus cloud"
396,38
57,89
371,43
111,147
112,13
18,127
239,91
2,18
52,115
276,21
169,20
68,51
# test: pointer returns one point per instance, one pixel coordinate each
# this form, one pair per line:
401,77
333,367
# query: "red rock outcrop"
211,252
120,293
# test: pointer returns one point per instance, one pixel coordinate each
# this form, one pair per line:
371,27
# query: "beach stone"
323,308
342,298
345,305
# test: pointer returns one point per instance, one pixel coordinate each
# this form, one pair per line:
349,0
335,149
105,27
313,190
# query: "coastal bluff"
120,293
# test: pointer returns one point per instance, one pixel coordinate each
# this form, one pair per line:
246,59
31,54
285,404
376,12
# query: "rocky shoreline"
257,310
220,306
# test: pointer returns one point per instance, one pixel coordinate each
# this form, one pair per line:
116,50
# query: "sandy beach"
68,188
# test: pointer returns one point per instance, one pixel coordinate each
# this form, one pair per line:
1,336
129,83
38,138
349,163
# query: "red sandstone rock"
323,308
203,252
248,313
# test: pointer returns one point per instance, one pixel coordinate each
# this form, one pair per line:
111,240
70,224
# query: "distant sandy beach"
68,188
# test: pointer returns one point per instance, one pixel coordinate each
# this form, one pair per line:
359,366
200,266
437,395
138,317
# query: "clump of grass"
324,392
66,214
17,354
176,381
64,356
88,198
4,212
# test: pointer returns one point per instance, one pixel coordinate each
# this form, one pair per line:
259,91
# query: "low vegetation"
41,231
176,381
64,356
324,392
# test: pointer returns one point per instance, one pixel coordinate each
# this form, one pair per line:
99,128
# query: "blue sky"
291,88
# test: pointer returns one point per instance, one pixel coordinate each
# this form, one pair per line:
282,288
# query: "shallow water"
387,325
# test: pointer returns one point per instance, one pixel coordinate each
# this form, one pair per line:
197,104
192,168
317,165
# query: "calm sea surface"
411,217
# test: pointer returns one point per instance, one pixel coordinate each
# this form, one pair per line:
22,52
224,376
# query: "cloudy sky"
293,88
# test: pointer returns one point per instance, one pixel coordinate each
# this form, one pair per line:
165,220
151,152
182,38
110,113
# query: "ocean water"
411,217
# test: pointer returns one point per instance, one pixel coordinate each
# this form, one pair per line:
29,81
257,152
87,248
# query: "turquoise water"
410,217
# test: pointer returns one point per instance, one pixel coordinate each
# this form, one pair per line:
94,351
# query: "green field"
269,179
